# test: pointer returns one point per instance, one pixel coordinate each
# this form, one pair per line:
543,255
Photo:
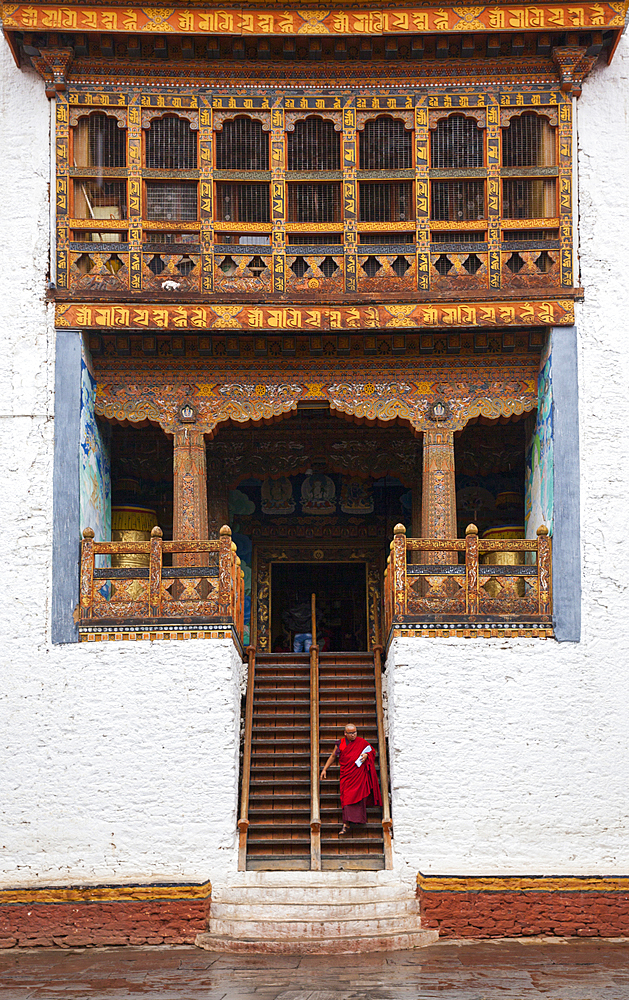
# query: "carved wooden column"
438,489
190,489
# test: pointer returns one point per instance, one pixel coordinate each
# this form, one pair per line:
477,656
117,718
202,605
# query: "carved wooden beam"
573,65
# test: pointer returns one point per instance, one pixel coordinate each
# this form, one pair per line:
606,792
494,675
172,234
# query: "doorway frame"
371,553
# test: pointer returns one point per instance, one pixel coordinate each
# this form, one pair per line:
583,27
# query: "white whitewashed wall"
119,763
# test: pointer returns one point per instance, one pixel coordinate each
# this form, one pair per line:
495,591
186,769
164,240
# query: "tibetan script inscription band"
560,17
293,317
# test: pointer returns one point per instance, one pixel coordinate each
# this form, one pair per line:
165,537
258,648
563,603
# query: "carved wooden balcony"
312,273
201,595
439,595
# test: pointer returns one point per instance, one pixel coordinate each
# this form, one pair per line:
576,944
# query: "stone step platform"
304,912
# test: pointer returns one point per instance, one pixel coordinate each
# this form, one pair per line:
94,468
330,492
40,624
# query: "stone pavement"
509,970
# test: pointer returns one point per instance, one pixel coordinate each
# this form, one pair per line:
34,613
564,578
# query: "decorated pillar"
438,488
190,485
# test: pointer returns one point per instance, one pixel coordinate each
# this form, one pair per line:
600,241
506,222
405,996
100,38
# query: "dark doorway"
341,591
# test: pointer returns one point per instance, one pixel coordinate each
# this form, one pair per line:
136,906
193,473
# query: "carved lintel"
573,65
53,65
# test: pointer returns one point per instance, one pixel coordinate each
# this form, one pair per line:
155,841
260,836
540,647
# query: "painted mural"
539,454
94,462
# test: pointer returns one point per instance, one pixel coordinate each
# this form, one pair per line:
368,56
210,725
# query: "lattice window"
171,200
314,145
242,202
442,236
314,239
242,145
99,142
100,199
529,141
390,202
456,143
527,198
458,201
314,202
387,238
171,144
385,144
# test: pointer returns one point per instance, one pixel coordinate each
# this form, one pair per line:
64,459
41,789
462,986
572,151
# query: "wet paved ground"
572,970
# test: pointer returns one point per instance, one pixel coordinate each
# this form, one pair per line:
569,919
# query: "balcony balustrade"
438,594
205,586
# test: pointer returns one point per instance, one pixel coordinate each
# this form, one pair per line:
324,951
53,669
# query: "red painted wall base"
522,907
103,915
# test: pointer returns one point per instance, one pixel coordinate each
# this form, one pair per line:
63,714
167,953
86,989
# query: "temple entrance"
341,601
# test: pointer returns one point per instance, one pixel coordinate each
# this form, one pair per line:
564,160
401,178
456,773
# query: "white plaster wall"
118,762
510,756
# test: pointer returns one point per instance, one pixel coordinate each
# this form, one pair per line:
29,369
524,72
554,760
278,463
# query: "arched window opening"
456,143
385,144
99,142
242,145
314,145
171,144
529,141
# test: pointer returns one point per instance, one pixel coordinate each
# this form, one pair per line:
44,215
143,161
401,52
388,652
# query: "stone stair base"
314,913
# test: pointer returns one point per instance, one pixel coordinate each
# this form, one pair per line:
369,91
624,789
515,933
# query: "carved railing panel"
213,589
168,272
459,270
243,273
474,589
102,271
395,273
309,273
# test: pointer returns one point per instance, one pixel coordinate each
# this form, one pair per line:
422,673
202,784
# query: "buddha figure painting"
277,496
356,496
318,495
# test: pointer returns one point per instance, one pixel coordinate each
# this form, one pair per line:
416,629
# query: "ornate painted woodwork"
206,588
443,597
224,292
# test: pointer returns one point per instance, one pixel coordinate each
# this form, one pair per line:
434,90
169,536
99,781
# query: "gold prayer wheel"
504,558
131,524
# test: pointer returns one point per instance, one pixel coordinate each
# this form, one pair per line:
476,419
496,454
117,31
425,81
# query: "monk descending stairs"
280,903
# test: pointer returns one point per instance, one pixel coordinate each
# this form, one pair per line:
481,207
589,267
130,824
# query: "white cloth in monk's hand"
359,762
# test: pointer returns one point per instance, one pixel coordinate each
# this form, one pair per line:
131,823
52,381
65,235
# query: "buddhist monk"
359,781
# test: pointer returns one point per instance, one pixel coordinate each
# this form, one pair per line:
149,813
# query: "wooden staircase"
277,787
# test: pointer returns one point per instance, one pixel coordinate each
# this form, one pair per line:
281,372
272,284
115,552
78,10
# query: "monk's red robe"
358,784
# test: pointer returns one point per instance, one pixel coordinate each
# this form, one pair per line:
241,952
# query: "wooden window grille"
456,144
457,201
387,238
242,145
530,235
314,202
250,239
242,202
385,144
100,199
171,144
157,237
314,239
89,236
99,142
389,202
171,201
314,145
529,198
442,236
529,141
